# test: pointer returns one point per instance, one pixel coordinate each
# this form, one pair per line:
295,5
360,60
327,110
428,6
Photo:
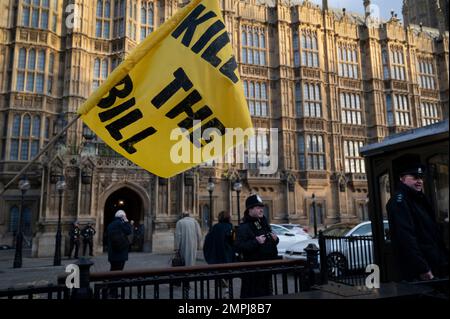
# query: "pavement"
40,271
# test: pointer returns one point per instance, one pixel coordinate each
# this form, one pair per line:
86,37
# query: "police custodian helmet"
253,201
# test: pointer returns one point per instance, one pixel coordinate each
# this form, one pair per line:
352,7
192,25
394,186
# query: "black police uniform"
88,239
74,235
255,285
416,239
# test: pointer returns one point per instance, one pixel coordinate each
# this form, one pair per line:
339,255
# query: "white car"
342,244
287,237
296,228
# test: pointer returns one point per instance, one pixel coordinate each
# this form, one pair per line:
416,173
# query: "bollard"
85,291
312,263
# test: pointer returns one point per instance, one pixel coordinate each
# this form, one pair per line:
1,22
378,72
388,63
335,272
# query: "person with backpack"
118,243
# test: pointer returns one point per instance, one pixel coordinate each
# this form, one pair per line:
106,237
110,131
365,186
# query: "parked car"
296,228
343,245
287,237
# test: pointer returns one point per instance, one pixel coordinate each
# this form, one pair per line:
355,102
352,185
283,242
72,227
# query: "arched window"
309,48
39,12
253,45
348,61
31,67
147,19
25,137
103,19
100,72
256,94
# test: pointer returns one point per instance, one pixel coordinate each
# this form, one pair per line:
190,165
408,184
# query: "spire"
366,4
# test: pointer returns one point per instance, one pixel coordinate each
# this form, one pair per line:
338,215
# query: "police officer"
74,236
88,233
415,236
256,241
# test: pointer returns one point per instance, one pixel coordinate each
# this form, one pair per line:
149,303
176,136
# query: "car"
344,250
296,228
287,237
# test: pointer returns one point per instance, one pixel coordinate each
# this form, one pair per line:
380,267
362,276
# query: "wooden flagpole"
42,151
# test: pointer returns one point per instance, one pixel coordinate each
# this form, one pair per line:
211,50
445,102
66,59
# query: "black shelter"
428,145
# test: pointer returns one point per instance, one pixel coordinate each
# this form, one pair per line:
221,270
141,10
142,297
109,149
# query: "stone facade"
430,13
328,81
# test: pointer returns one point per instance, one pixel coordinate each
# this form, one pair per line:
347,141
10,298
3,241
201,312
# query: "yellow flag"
175,100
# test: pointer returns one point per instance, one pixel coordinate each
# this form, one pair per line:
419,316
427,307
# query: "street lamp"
210,188
60,186
314,214
237,186
24,185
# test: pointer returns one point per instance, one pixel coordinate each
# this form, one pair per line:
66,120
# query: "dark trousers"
256,285
74,244
85,244
115,265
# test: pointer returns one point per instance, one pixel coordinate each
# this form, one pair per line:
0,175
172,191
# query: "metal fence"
50,291
221,281
344,259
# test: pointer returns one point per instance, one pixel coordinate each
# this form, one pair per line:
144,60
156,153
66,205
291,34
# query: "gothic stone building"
330,81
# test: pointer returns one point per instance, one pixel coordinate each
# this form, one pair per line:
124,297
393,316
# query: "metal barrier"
218,281
344,259
50,291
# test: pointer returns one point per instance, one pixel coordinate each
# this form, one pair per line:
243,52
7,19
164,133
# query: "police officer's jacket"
415,235
74,233
246,242
88,233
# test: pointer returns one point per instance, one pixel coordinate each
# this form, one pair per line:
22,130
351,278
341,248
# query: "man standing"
118,243
88,233
256,241
74,235
416,239
188,237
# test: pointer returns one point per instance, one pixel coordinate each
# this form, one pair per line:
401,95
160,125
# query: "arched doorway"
127,200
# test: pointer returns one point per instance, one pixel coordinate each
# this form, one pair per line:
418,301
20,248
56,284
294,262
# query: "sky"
385,6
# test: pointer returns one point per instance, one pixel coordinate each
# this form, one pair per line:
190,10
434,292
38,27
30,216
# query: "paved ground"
40,271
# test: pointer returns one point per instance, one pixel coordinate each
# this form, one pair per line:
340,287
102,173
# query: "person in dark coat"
118,243
255,241
218,245
415,236
74,235
88,233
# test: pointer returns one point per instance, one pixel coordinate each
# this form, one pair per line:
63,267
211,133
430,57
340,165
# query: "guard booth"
428,145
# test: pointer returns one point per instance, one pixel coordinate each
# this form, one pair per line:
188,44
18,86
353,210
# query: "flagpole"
50,143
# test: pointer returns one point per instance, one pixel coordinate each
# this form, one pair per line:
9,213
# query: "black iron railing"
344,259
36,292
221,281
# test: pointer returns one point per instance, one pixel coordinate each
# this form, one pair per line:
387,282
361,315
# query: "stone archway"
135,201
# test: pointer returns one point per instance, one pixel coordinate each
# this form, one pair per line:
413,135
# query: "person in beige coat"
188,237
